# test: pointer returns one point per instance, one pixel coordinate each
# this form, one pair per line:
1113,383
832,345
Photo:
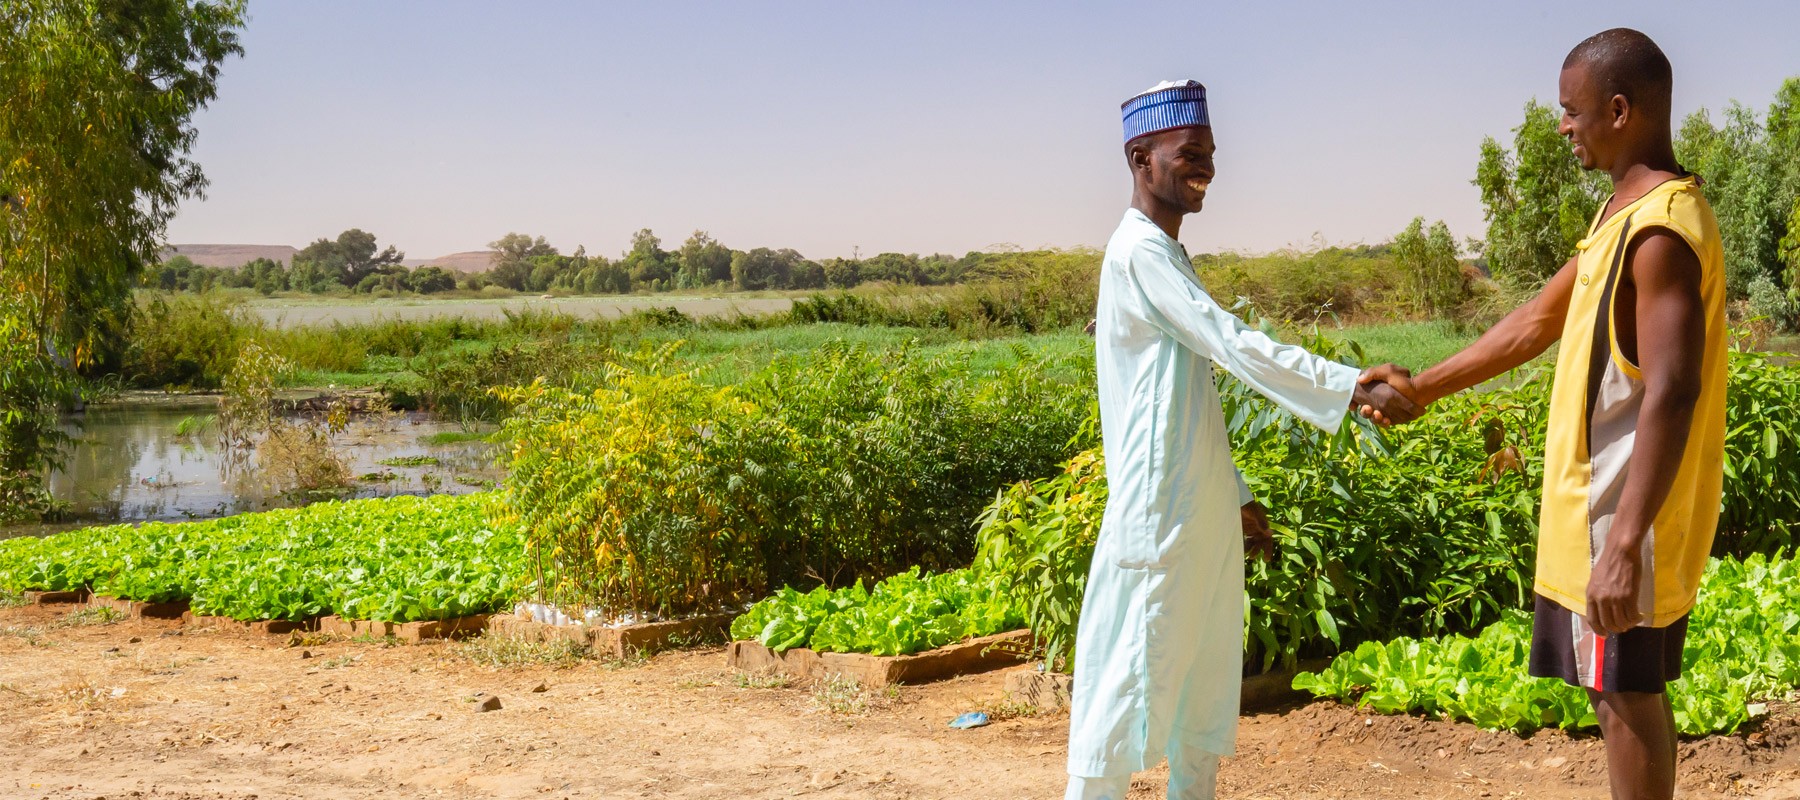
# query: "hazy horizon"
929,127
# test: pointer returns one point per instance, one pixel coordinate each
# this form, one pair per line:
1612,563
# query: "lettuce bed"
397,559
903,614
1743,645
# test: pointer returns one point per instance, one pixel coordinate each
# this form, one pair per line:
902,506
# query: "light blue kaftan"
1159,650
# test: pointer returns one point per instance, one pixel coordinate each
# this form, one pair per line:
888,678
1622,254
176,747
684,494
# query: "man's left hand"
1259,543
1612,590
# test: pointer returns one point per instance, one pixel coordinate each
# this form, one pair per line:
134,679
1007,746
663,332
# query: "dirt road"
143,709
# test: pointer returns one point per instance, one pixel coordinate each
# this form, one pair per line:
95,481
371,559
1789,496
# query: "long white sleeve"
1314,389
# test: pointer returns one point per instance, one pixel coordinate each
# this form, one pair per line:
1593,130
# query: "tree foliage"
349,260
97,99
1536,199
703,262
1427,260
1751,172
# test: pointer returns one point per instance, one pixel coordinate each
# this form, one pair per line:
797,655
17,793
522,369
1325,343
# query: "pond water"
155,459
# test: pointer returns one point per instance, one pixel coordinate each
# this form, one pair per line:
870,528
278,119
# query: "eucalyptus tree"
1536,199
97,99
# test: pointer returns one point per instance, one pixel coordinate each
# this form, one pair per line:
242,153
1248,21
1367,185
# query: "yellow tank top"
1594,408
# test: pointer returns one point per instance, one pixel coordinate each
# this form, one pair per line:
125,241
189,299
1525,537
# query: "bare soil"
148,709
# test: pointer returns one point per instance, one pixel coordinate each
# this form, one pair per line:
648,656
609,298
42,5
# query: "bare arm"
1671,335
1521,336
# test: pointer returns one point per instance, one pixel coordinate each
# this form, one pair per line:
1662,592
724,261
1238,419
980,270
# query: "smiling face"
1175,166
1592,121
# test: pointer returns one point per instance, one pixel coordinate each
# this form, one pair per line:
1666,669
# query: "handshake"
1386,396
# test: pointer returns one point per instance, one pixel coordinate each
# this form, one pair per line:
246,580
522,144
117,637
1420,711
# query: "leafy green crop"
903,614
1743,644
397,559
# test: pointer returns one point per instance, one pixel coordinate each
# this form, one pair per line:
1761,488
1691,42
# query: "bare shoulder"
1659,256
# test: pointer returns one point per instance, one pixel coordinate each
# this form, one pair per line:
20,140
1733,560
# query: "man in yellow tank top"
1633,459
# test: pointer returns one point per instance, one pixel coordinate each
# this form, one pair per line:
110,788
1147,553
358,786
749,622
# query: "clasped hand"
1386,396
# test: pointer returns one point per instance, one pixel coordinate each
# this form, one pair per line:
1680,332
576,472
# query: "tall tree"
763,268
1734,163
703,261
647,263
1427,261
1537,201
350,258
97,99
513,267
357,248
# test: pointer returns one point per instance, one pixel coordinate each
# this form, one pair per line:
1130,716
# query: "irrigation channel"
157,457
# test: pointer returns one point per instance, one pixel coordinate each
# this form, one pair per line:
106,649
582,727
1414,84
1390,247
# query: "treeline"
1539,203
353,263
701,262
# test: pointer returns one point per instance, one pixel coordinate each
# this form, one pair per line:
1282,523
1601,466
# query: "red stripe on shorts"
1599,663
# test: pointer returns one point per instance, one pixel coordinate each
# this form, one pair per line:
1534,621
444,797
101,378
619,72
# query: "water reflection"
136,461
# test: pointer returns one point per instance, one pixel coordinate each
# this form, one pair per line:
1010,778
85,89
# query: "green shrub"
1039,536
1302,284
657,493
1761,513
1027,292
1769,301
186,341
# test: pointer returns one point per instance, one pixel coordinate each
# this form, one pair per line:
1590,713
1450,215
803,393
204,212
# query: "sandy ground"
301,313
145,709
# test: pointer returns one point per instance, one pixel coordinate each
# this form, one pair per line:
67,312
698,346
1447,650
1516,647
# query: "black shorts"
1638,660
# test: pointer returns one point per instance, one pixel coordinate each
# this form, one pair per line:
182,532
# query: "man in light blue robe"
1159,649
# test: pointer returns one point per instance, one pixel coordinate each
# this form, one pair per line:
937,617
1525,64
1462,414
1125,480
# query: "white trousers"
1192,776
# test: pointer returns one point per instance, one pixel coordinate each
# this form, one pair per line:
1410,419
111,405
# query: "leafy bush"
620,492
1741,646
903,614
1769,301
1303,284
1033,291
185,340
397,559
657,493
1039,538
34,384
1761,512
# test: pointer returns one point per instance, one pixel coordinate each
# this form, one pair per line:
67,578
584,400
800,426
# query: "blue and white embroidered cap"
1167,105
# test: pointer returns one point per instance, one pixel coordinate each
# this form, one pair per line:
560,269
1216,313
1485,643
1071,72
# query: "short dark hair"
1627,62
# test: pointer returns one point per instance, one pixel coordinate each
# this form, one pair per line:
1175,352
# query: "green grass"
319,379
1414,345
443,438
728,356
731,356
409,461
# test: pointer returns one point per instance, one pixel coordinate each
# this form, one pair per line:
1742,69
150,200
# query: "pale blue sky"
920,127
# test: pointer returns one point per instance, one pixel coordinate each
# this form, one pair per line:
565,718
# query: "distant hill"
467,262
230,255
236,255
